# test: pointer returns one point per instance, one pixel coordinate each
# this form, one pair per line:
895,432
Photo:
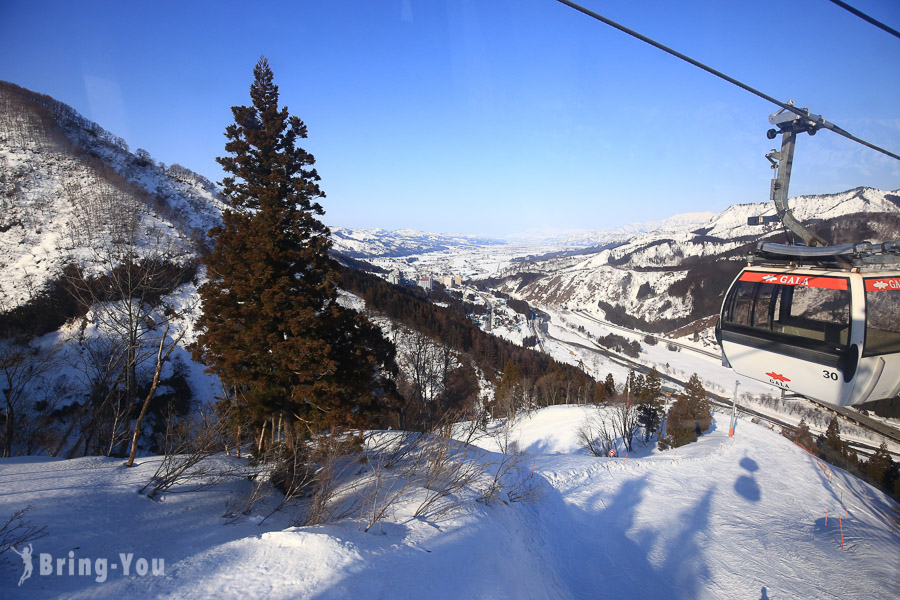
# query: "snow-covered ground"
740,517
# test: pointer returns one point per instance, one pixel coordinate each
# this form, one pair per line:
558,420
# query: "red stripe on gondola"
828,283
883,284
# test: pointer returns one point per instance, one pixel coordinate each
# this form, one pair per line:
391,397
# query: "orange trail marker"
841,523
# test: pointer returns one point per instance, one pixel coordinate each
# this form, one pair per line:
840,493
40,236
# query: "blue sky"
485,116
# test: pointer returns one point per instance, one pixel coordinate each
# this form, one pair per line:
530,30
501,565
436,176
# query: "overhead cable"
866,17
820,122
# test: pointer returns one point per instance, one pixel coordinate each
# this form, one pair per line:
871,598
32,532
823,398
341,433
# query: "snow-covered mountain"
68,187
666,278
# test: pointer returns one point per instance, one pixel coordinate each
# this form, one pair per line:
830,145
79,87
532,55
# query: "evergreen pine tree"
509,394
601,393
879,467
689,416
650,404
634,386
610,384
803,437
271,327
833,436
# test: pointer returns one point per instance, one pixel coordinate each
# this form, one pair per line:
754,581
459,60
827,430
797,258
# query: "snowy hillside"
69,189
741,517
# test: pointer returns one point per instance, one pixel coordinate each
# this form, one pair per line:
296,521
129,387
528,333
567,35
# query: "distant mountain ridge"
607,236
664,279
374,243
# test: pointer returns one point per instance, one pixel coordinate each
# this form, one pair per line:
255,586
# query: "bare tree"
418,357
21,365
160,361
471,422
36,431
624,417
102,415
598,433
126,302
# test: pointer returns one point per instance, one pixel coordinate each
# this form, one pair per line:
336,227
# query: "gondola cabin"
832,335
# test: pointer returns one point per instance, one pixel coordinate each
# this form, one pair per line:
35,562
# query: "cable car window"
882,315
816,309
741,304
765,306
819,314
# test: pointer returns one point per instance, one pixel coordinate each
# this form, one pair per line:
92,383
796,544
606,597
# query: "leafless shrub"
524,488
314,477
518,482
186,446
378,497
431,473
389,450
494,484
36,430
503,437
445,470
291,473
472,427
241,506
21,365
337,457
17,531
598,433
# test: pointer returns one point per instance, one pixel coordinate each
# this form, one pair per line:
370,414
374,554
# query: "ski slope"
721,518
